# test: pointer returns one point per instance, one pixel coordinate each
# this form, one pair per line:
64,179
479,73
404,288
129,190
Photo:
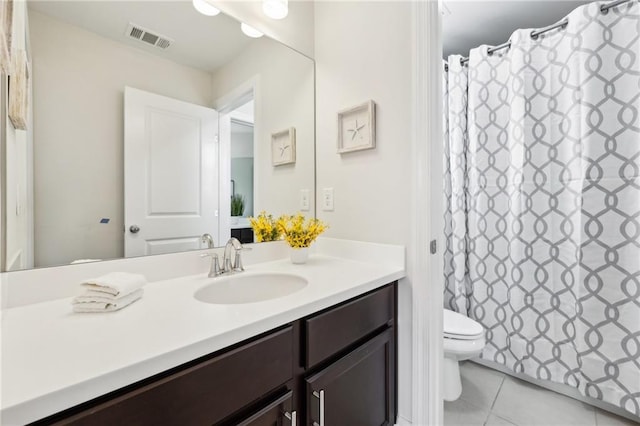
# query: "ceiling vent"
147,36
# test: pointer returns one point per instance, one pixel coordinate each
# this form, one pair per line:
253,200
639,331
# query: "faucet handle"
237,262
214,270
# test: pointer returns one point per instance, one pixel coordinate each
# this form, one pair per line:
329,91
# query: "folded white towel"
117,284
97,296
88,304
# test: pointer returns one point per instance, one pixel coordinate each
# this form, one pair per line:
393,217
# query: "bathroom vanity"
324,354
334,367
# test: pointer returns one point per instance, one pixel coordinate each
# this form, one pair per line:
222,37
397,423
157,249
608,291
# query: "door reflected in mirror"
95,177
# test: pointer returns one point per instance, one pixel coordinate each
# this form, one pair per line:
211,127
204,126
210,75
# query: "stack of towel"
109,292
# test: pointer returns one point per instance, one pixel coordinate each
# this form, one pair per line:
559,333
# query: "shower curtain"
542,191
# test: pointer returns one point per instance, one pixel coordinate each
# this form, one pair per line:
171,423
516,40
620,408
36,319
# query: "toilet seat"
460,327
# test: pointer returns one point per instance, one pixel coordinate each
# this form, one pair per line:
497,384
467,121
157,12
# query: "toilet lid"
457,326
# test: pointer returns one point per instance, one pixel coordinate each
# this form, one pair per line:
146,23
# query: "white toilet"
463,339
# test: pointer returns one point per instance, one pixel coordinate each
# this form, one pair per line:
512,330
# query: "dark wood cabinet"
244,235
333,368
356,390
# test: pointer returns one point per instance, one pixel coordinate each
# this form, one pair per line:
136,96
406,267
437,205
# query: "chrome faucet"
227,265
207,238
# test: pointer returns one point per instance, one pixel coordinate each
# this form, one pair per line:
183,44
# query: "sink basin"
249,288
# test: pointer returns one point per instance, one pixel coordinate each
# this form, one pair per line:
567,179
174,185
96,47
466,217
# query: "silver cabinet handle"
320,396
134,229
292,416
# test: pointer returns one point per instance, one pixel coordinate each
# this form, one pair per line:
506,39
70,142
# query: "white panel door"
170,174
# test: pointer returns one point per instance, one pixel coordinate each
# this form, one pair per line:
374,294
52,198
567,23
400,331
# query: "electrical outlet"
304,200
327,199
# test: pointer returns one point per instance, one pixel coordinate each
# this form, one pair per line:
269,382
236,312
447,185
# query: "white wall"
19,244
241,141
296,30
363,51
79,80
284,99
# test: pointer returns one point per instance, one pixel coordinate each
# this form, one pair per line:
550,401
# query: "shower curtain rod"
535,33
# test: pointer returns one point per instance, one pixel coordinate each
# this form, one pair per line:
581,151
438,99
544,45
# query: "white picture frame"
6,29
19,90
357,128
283,147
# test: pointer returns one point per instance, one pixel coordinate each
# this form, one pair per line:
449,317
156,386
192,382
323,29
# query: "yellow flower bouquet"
300,233
265,227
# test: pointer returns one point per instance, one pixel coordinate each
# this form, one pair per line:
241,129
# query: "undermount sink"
249,288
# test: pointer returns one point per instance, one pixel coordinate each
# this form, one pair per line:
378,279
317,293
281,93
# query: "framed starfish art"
283,147
357,128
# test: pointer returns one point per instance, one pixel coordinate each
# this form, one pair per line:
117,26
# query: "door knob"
134,229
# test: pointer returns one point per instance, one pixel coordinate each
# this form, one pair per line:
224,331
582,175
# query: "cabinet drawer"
205,393
337,328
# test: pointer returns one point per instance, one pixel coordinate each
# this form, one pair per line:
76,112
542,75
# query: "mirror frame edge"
3,170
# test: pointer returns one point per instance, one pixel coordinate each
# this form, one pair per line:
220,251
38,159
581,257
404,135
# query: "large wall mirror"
149,125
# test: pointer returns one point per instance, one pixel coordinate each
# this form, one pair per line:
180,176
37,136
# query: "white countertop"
242,222
53,359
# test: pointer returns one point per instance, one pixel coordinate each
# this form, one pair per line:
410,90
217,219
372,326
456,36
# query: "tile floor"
491,398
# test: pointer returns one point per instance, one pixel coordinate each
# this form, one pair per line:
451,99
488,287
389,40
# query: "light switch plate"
327,199
304,200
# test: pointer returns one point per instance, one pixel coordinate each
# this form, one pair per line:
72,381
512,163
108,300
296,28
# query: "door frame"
225,104
426,190
3,171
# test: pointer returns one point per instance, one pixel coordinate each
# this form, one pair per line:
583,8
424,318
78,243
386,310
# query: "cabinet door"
276,413
237,233
244,235
247,236
356,390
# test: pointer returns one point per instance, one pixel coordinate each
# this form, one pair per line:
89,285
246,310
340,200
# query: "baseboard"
560,388
401,421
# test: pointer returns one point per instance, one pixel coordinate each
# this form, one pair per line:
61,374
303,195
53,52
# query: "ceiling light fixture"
250,31
275,9
204,7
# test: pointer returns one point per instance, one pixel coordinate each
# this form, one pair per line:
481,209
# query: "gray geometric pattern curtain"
457,286
543,201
